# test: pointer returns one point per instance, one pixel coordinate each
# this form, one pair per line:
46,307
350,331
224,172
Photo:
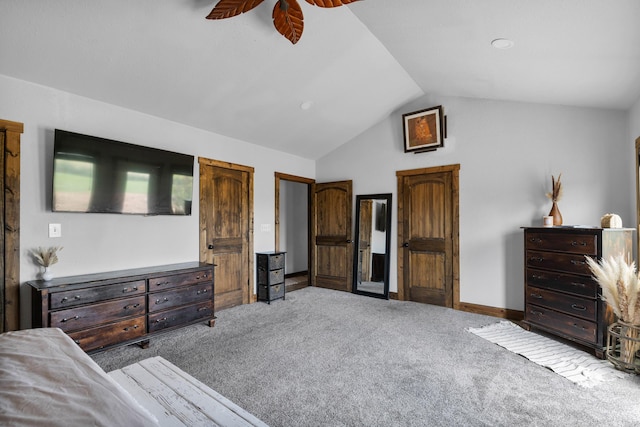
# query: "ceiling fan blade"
330,3
229,8
288,19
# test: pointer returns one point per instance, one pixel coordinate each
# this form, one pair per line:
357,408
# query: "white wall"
102,242
507,152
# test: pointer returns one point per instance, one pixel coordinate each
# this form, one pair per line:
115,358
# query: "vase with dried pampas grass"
46,257
555,194
620,283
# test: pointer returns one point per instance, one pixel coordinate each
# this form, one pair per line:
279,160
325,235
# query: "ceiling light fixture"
287,14
502,44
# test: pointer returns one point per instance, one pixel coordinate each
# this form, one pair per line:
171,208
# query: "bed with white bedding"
46,379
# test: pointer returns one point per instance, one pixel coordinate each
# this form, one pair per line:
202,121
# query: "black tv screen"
99,175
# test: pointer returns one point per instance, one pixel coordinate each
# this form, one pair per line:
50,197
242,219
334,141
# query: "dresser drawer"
569,263
567,325
181,296
575,306
113,333
571,283
96,314
169,318
271,262
270,276
85,296
586,244
277,291
160,283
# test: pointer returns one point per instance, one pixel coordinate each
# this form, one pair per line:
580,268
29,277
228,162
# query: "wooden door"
333,247
364,242
428,235
226,233
10,225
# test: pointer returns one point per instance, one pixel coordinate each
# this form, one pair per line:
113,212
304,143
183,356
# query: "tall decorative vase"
46,274
555,213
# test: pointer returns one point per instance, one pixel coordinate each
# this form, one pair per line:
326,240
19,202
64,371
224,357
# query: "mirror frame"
387,256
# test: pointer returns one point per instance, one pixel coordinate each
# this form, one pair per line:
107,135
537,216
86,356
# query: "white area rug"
578,366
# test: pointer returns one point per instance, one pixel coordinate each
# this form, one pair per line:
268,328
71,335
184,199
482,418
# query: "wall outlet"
55,230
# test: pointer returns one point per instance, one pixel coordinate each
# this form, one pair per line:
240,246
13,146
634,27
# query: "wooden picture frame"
423,130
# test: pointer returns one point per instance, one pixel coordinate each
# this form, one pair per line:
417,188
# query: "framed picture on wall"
423,130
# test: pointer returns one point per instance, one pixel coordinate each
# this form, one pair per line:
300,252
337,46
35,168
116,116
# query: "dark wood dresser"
270,276
561,297
99,311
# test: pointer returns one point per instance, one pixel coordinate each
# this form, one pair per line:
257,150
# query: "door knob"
210,246
405,245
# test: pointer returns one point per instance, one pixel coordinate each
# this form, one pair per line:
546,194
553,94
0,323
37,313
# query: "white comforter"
47,380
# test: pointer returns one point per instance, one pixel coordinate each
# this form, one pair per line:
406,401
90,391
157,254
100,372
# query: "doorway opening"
293,227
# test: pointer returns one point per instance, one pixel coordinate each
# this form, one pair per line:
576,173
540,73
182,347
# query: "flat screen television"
98,175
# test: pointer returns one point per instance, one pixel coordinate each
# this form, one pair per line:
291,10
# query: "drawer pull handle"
535,276
538,296
163,300
536,259
536,313
578,307
76,297
163,319
203,308
130,306
125,290
574,243
579,285
579,327
131,327
202,291
77,341
574,262
162,283
535,240
70,318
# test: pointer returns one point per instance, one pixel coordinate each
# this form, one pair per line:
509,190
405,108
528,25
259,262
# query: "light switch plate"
55,230
265,227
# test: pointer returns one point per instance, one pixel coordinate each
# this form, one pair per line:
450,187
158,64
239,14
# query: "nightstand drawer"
575,306
170,318
277,291
96,314
272,276
566,325
271,262
586,244
181,296
569,263
160,283
86,296
565,282
103,336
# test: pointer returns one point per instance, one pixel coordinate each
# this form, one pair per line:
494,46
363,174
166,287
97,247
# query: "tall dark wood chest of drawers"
270,276
561,297
99,311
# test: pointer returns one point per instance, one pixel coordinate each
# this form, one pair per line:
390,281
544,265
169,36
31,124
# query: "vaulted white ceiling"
352,67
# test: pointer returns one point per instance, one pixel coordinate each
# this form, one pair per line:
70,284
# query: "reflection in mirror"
373,237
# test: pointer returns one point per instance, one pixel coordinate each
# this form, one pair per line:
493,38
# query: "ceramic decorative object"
555,213
611,221
46,274
555,194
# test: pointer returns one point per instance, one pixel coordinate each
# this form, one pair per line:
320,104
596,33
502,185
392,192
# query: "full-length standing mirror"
373,237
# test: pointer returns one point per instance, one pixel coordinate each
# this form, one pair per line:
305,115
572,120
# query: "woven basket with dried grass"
620,285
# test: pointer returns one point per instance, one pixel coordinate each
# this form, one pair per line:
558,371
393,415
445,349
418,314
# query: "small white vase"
46,274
